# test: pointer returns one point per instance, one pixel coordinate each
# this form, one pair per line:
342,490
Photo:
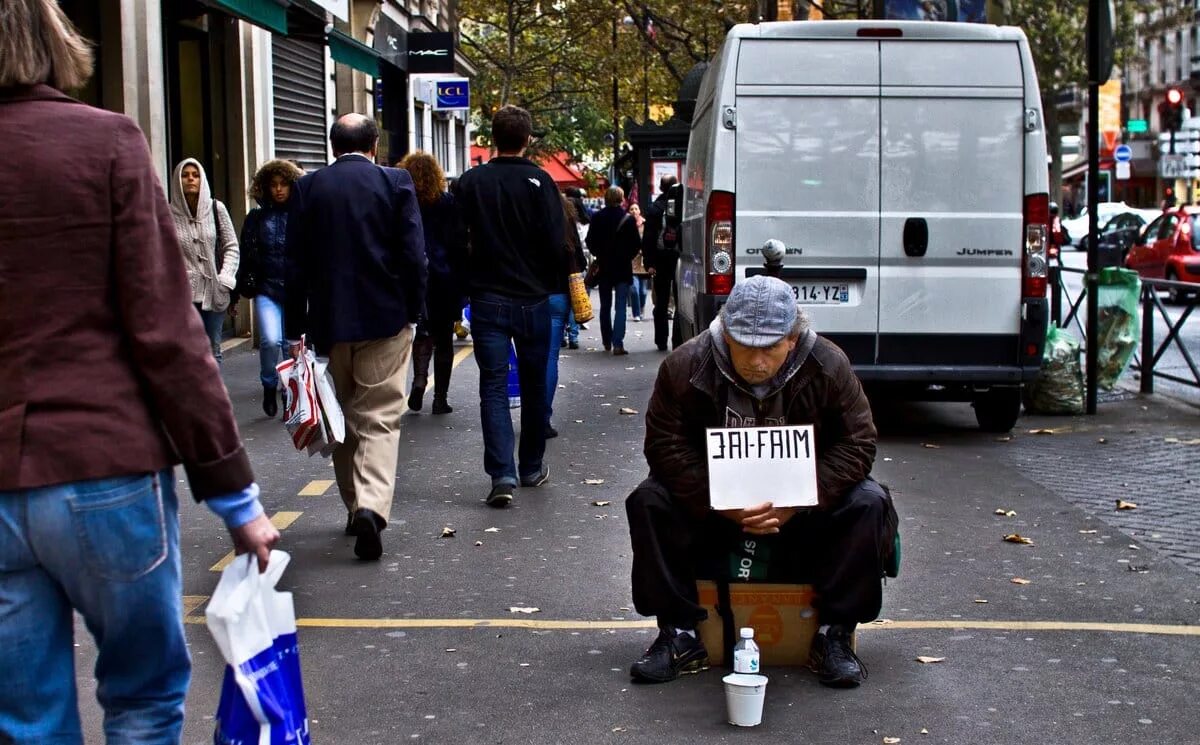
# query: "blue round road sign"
1123,154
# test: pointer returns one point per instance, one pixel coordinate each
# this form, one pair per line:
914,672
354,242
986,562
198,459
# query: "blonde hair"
614,196
38,44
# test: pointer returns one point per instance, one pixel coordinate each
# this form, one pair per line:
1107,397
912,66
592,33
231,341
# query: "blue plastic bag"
254,625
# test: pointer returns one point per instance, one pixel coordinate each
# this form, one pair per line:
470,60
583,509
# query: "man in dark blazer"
355,287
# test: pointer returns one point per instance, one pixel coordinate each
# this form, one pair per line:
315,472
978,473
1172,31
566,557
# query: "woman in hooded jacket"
446,250
209,244
261,269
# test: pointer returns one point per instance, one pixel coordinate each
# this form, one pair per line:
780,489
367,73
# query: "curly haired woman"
445,247
260,275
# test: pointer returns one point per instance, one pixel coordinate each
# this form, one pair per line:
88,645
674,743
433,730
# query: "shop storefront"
298,91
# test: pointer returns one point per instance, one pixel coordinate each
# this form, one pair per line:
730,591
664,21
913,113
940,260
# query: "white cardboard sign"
751,465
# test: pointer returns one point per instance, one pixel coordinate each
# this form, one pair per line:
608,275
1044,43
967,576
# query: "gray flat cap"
761,311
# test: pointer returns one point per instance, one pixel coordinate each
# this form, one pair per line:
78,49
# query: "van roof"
849,30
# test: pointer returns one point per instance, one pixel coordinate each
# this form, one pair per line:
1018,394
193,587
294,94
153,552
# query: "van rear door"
807,173
951,203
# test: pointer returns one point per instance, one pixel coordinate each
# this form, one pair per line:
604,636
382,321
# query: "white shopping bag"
301,413
333,423
254,625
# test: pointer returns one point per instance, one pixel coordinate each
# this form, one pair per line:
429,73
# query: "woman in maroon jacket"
106,381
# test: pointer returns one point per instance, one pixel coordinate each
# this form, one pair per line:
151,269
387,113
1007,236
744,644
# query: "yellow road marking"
316,488
462,355
547,624
281,521
192,602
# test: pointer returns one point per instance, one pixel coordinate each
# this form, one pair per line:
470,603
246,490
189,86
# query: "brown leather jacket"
691,395
104,366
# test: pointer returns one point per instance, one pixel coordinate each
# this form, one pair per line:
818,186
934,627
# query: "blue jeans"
214,323
497,321
572,325
560,313
638,291
612,324
271,345
108,548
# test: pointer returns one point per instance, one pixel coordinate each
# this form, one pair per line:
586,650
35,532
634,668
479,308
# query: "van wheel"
997,409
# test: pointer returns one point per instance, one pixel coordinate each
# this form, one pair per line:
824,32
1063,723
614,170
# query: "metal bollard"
1148,338
1056,293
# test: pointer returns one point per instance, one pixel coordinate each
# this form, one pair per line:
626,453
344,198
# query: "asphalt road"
1171,362
402,650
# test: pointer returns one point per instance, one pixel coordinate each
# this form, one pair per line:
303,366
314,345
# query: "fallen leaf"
929,661
924,731
1006,513
593,482
523,609
1123,505
1177,441
491,530
451,649
448,533
980,601
1132,547
891,740
1043,431
931,446
1005,438
1089,532
1102,441
478,543
627,410
1019,581
1018,538
601,503
618,729
881,622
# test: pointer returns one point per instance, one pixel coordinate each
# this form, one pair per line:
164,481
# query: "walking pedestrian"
660,247
99,343
641,276
613,240
209,244
560,309
515,220
446,251
263,264
355,285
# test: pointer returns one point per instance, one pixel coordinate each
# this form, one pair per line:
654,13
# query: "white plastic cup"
744,696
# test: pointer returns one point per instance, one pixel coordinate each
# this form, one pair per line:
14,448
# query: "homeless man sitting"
759,364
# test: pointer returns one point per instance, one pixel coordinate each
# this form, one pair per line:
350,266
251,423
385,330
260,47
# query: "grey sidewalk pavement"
386,660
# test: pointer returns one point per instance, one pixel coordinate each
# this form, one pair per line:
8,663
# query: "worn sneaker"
538,478
834,661
670,656
573,345
500,496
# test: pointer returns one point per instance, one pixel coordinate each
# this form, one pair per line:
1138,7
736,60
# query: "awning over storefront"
266,13
349,51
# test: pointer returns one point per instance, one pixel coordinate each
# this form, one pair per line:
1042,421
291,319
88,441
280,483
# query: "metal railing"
1151,300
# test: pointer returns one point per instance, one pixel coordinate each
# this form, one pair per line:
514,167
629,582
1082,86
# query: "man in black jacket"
355,286
660,251
518,253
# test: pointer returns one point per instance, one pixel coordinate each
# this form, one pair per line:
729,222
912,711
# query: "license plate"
821,294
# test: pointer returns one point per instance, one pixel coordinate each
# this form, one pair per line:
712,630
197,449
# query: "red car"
1169,248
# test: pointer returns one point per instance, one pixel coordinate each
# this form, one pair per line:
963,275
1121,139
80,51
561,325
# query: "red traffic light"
1174,96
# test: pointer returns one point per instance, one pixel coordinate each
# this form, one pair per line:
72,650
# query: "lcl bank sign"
452,95
430,52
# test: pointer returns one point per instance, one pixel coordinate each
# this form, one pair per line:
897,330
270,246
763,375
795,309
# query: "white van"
903,165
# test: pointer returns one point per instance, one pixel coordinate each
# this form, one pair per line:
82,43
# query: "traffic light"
1170,110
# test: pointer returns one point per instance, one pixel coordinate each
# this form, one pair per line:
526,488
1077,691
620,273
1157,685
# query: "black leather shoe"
551,432
833,659
416,398
670,656
367,525
441,407
349,523
270,408
573,345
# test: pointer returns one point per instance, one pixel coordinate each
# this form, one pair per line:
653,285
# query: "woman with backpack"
209,245
445,248
262,267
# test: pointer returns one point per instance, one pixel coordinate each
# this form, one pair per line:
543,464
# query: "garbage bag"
254,626
1118,295
1058,388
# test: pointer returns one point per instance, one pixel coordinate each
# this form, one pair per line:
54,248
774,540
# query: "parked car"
1117,236
1077,227
1168,249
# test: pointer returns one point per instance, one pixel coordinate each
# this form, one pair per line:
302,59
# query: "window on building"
441,140
419,127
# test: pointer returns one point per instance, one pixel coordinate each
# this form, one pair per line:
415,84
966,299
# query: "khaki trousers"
369,378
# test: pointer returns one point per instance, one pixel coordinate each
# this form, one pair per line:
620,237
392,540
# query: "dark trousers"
664,289
434,341
496,323
837,551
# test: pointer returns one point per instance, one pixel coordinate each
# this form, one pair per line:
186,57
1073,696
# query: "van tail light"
718,227
1037,234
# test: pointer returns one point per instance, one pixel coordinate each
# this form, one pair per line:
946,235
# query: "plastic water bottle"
745,654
